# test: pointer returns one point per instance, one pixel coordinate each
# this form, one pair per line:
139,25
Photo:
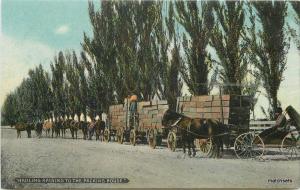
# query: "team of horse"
197,128
58,128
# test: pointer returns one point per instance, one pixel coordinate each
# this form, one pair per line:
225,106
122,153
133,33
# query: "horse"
190,129
91,129
74,126
57,128
99,128
83,125
65,125
22,127
38,129
47,126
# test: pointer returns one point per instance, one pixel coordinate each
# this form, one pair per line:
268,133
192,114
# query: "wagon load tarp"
232,109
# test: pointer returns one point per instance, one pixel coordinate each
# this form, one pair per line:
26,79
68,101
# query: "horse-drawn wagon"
230,110
144,124
228,118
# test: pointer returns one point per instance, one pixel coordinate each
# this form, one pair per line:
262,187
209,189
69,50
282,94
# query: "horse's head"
169,118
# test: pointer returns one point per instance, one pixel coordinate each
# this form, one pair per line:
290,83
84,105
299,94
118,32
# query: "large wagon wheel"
152,134
205,146
106,135
290,146
249,145
132,137
120,135
172,141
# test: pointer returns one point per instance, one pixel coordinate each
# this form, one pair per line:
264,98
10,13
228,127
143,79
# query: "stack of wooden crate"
117,115
151,113
232,109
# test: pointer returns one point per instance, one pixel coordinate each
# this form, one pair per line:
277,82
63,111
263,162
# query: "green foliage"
57,85
198,21
269,45
231,49
9,112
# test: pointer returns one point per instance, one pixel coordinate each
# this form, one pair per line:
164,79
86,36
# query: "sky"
33,31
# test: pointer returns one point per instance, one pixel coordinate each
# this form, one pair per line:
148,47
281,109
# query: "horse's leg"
18,134
193,147
183,144
189,147
83,132
221,148
76,133
72,133
218,148
29,133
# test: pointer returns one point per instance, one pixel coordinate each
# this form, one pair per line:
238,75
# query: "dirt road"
144,167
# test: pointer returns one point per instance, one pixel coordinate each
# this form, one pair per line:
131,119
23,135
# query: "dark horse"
99,129
66,124
74,126
83,125
39,128
91,129
22,127
190,129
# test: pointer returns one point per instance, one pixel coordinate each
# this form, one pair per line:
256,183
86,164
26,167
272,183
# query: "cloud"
16,58
63,29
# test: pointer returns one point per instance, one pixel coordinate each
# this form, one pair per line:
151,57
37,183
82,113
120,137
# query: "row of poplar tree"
150,48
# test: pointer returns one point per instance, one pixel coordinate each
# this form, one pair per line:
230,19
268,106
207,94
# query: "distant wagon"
143,125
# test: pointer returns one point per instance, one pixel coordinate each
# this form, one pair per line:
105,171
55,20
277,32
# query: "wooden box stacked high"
151,113
117,116
232,109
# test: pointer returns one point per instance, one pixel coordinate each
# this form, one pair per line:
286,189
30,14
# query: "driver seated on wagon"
280,118
286,121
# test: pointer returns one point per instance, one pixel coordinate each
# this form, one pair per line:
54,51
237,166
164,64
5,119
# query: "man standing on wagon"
133,110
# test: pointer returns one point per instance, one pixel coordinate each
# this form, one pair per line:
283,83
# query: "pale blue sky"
34,30
38,21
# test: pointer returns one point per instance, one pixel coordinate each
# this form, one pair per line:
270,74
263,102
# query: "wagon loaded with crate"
231,110
234,112
143,125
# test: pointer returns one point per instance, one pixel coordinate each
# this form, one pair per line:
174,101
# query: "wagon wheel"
290,146
106,135
152,138
172,141
205,146
132,137
120,136
248,145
